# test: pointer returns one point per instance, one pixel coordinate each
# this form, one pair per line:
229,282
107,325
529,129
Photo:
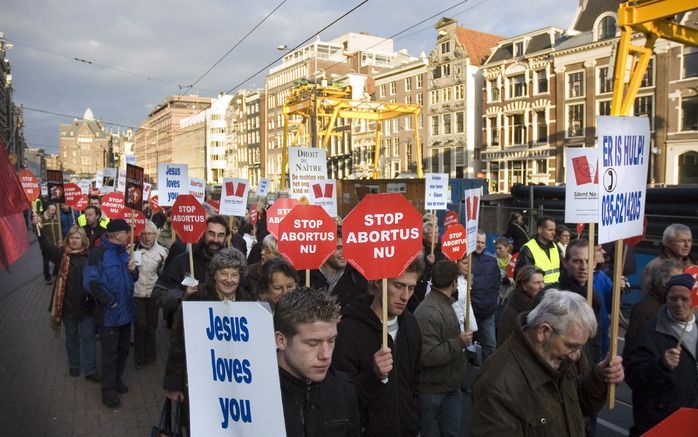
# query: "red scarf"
59,290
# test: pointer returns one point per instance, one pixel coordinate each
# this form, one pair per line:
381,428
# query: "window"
382,90
434,96
541,166
408,100
460,91
408,84
434,124
516,129
607,28
493,90
542,77
396,147
460,122
517,86
436,72
445,47
448,94
605,80
447,124
575,84
408,123
446,70
689,111
420,99
690,61
494,131
643,107
518,49
604,107
393,88
575,120
418,81
648,78
541,127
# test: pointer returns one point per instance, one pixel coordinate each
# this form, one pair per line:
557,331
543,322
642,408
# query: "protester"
542,251
70,303
677,241
538,382
236,239
50,230
648,307
68,218
109,276
428,236
338,278
517,232
385,378
93,201
661,366
152,256
484,293
562,238
442,360
93,224
247,232
276,279
318,401
270,250
505,261
529,282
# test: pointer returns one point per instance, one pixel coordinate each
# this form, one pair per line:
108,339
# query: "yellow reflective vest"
551,266
82,221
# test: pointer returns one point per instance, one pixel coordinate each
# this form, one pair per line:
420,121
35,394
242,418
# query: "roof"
590,11
539,43
504,52
477,44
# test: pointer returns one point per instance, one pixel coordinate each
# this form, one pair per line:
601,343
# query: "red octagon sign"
72,194
453,242
134,218
382,235
188,218
81,203
30,184
307,236
280,209
112,204
450,219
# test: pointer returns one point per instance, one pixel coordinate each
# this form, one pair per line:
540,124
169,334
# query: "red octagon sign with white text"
307,236
188,218
112,204
382,235
280,209
453,242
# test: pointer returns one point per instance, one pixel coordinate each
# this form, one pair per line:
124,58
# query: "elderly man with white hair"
151,256
539,381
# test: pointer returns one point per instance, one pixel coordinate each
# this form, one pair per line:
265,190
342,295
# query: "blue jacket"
107,278
67,221
484,291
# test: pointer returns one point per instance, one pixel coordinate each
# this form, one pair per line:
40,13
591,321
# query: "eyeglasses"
573,348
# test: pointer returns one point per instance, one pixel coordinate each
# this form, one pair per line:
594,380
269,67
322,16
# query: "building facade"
189,144
11,115
87,146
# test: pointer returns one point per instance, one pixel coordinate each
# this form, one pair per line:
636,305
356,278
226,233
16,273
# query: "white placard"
324,193
173,180
107,182
624,144
234,196
305,165
130,158
472,217
84,185
582,187
436,191
44,189
232,370
146,191
121,181
263,188
197,188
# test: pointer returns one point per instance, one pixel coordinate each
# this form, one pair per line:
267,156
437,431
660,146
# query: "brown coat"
50,228
516,393
517,303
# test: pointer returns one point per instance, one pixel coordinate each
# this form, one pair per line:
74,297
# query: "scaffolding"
321,106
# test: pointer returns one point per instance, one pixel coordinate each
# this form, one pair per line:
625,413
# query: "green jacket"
517,394
443,360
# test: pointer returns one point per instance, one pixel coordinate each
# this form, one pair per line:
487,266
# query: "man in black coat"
385,378
484,293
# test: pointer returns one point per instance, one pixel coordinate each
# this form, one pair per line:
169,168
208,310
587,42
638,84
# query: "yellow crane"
323,105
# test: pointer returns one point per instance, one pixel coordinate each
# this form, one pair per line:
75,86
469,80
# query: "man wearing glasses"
539,382
677,242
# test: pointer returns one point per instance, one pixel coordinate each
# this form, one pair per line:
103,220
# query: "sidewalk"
39,398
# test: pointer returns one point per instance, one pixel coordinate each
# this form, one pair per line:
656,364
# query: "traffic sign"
382,235
134,218
188,218
277,212
307,236
30,184
72,194
453,242
112,204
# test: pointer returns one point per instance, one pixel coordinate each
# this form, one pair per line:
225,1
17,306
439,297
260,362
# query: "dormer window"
445,47
606,27
518,49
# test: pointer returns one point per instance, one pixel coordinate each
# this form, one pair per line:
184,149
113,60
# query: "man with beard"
168,290
92,226
539,382
338,278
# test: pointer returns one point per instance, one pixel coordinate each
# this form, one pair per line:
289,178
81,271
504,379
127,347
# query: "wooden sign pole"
433,231
466,322
615,313
592,264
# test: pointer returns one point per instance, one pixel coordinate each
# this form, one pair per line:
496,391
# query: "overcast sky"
174,42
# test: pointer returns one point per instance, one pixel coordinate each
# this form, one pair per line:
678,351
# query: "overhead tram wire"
416,32
72,117
297,46
192,85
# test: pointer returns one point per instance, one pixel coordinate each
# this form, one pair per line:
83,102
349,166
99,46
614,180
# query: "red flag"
14,239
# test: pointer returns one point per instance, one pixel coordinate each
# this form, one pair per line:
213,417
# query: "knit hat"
682,280
117,225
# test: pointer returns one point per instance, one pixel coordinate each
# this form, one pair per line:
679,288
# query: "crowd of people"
541,351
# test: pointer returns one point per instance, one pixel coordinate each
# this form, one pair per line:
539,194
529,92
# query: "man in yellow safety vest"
541,251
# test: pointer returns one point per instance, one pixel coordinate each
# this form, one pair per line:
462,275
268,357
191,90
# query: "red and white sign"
450,219
280,209
453,242
693,271
580,228
324,193
582,188
234,196
188,218
472,216
146,191
30,184
72,194
197,188
680,423
154,205
81,203
112,204
382,235
134,218
216,205
253,214
307,236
